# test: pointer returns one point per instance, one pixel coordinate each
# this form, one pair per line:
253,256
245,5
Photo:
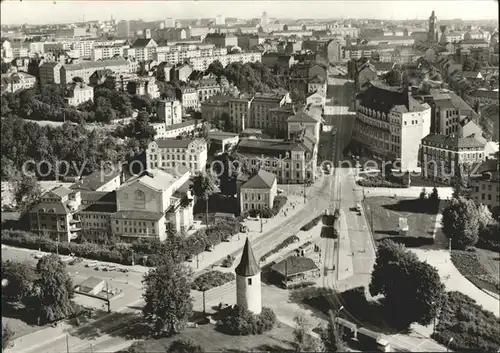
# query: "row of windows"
134,230
134,223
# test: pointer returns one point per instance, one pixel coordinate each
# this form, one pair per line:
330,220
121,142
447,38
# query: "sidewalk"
411,192
345,267
455,281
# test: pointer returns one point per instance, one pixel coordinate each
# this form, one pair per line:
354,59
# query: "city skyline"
48,12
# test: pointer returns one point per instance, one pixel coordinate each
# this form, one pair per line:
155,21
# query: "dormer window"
139,195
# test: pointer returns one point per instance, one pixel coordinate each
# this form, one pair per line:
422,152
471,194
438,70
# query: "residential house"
185,128
279,120
258,192
181,72
188,97
50,73
17,81
484,186
85,69
304,123
316,99
262,104
207,88
317,84
170,111
78,93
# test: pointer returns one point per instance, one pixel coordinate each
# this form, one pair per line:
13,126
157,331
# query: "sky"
48,12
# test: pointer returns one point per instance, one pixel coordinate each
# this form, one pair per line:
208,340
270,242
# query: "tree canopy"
411,288
168,297
184,346
53,291
461,222
19,277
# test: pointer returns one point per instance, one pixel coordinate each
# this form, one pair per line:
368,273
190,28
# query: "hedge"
266,212
150,249
470,326
468,264
311,224
212,279
288,241
377,181
301,285
242,322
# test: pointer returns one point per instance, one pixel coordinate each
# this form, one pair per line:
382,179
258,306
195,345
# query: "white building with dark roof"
248,282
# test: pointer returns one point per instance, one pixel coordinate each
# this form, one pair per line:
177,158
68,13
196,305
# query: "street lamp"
448,344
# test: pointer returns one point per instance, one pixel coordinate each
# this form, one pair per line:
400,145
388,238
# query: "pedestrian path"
345,267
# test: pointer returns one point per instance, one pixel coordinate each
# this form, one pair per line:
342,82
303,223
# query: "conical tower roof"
248,265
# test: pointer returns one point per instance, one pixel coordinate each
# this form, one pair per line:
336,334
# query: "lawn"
470,326
277,340
383,213
479,267
20,327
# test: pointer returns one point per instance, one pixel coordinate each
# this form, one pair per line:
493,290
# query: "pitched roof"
302,117
95,64
248,265
454,142
173,143
156,179
294,265
94,181
141,42
262,180
267,147
50,207
382,98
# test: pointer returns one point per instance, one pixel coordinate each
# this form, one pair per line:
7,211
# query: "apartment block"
390,124
170,111
239,112
261,106
202,63
172,153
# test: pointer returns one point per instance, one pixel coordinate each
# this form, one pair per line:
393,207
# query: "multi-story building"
83,48
143,49
170,111
279,120
317,84
181,72
444,158
215,107
123,29
202,63
222,39
50,73
172,153
85,69
390,124
239,112
304,123
147,203
56,216
185,128
450,114
293,162
484,186
108,51
258,192
78,93
17,81
207,88
316,99
262,104
143,86
188,97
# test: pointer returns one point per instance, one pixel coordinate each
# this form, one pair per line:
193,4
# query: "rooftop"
156,179
302,117
262,180
453,142
294,265
95,64
94,181
248,265
173,143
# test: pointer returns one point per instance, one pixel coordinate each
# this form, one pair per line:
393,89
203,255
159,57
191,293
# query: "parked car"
227,238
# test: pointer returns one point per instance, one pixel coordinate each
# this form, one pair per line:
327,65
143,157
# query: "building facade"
258,192
172,153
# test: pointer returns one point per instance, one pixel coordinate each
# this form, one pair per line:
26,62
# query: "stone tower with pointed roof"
248,285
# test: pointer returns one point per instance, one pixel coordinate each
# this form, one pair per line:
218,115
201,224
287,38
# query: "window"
249,281
139,195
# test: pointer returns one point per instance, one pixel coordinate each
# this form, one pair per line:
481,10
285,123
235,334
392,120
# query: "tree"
53,291
5,67
485,216
26,191
461,222
168,297
204,186
184,346
409,286
7,335
394,78
19,277
215,68
331,337
142,130
303,340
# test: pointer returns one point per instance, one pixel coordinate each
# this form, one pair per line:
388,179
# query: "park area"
207,336
383,213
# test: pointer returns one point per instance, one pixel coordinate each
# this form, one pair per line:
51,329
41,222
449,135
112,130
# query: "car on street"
209,248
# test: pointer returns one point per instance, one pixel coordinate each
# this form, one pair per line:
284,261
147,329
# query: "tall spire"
248,265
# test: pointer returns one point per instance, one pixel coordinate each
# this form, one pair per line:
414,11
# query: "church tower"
248,285
432,36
